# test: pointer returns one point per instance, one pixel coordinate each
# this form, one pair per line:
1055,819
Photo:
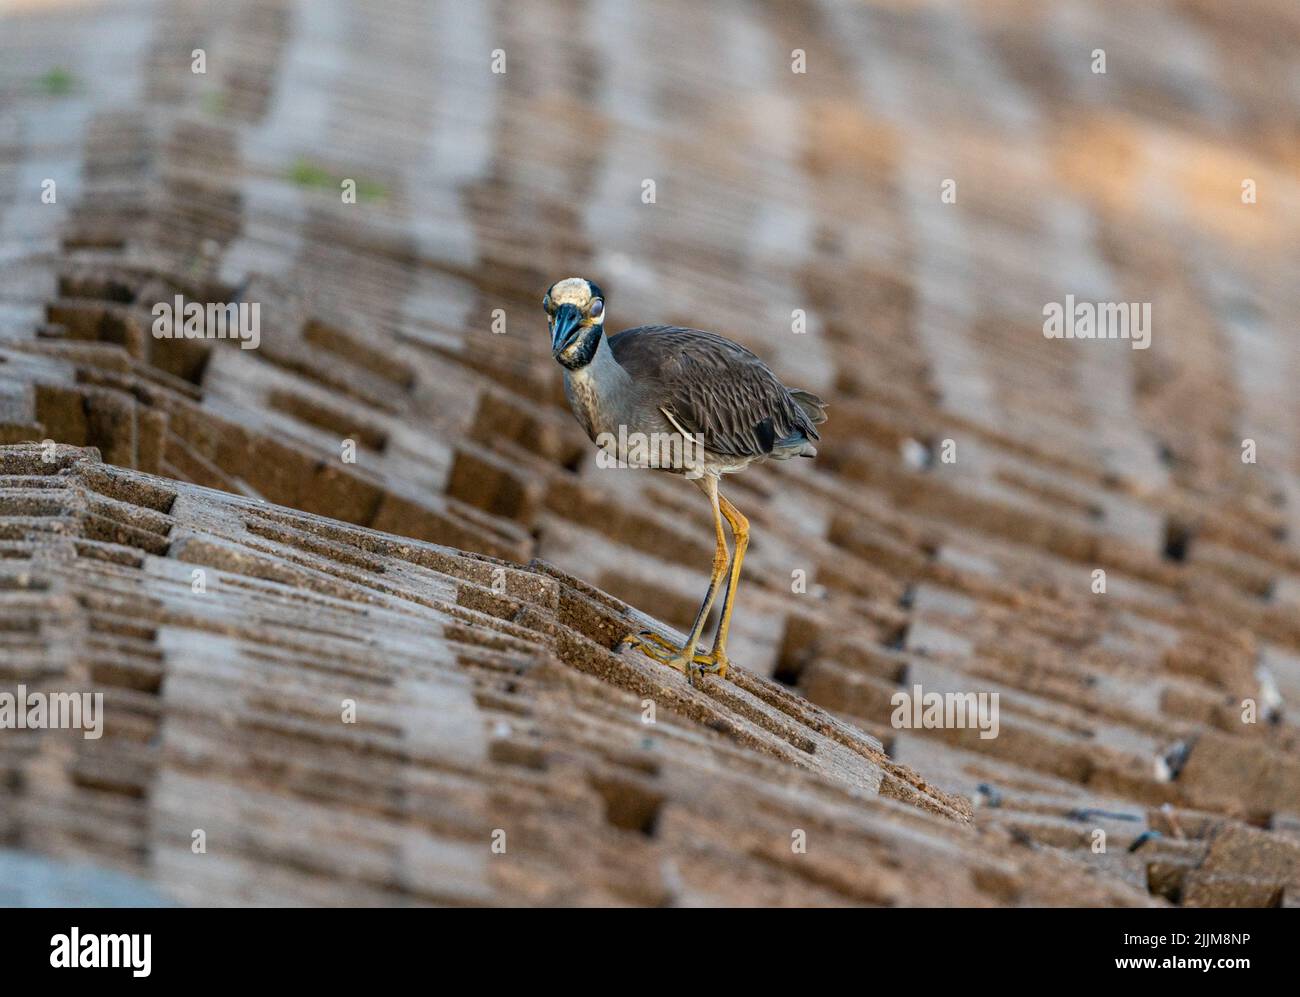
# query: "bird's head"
575,308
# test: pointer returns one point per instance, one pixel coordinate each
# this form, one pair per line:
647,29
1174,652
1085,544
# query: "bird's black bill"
564,326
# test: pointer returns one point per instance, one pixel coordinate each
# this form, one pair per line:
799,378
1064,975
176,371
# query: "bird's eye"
597,308
546,304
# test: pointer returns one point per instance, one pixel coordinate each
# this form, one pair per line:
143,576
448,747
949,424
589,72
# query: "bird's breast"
591,411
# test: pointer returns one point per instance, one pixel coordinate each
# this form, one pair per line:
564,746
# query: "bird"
707,404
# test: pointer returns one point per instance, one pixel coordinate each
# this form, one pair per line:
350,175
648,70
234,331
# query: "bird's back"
719,390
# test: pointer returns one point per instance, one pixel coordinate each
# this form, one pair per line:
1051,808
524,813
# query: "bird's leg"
717,658
685,659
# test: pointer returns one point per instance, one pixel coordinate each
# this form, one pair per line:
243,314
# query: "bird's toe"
650,644
664,651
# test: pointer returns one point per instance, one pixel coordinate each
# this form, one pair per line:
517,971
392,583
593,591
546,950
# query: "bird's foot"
651,644
664,651
705,664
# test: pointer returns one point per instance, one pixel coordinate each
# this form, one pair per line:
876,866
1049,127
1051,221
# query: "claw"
711,664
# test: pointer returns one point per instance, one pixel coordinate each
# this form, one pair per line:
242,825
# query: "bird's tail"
794,445
813,407
815,410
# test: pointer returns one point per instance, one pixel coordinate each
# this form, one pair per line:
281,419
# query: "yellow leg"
685,659
739,530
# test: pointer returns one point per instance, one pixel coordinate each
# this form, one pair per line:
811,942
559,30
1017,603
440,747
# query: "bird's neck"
600,368
598,390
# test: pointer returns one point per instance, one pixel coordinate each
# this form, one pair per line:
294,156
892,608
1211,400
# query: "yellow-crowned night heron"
722,407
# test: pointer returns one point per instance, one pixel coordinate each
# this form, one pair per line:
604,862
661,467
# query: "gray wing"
719,390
